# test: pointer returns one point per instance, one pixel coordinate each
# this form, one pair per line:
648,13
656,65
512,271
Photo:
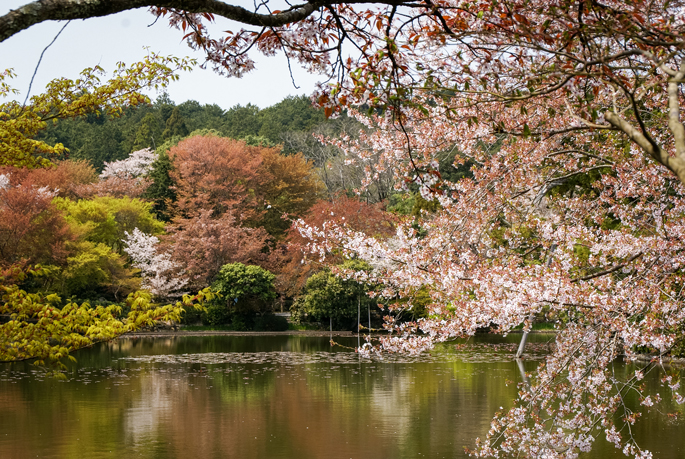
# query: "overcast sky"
121,38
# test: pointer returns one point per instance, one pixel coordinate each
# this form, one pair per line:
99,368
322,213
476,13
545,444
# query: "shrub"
328,296
246,293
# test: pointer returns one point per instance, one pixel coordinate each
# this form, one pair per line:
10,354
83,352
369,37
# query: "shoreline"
170,333
643,358
314,333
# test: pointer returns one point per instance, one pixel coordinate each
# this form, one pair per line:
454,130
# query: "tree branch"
608,271
58,10
675,164
674,123
55,10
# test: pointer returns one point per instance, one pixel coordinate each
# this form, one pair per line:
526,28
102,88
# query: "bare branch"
51,10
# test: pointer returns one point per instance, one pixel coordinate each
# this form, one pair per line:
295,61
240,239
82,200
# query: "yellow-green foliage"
422,206
96,268
64,98
106,219
43,328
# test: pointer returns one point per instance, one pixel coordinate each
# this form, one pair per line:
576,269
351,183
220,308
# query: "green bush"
327,296
217,314
247,292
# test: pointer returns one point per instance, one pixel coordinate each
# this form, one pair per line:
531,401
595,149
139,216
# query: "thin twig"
40,59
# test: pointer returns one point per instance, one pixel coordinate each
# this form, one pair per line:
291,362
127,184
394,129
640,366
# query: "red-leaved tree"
296,264
32,230
201,245
66,178
217,174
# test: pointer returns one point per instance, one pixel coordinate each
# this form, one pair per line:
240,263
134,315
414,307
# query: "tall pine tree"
160,192
175,125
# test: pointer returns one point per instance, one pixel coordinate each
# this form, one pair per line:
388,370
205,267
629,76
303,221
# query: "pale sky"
122,37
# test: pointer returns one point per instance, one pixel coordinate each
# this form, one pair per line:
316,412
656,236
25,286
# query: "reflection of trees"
310,410
153,406
420,401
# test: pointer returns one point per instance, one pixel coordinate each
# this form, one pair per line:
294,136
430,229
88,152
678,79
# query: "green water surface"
277,397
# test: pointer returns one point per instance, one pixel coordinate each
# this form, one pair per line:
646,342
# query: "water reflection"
272,397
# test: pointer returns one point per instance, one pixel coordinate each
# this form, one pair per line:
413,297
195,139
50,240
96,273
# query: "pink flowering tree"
574,211
138,164
581,227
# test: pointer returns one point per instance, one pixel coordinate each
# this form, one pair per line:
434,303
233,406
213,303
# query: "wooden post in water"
522,370
524,338
522,344
359,317
368,308
359,313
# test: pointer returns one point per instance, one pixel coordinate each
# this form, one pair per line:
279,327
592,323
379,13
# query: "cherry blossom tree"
162,276
126,177
138,164
580,227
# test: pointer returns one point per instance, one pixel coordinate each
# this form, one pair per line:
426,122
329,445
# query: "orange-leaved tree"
342,210
235,201
217,174
32,229
289,189
66,178
201,245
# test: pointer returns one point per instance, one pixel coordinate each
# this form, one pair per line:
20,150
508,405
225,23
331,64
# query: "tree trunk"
524,338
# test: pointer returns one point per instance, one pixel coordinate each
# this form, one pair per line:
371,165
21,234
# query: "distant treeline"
100,138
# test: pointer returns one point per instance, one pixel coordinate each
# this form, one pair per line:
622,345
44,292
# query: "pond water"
276,397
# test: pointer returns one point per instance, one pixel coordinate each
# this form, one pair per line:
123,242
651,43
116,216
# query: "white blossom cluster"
4,181
161,275
138,164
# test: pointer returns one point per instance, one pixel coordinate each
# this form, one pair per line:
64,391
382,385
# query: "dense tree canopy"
99,138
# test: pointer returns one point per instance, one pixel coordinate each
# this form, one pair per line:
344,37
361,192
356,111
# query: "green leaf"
526,130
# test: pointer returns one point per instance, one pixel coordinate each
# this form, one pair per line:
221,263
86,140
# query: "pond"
276,397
